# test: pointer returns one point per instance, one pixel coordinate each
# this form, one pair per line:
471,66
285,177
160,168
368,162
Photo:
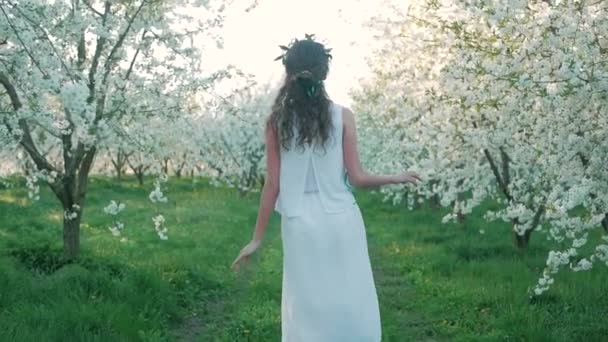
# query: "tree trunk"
417,205
460,197
139,174
605,223
435,201
522,241
71,237
180,167
75,187
119,164
72,195
460,217
118,173
164,165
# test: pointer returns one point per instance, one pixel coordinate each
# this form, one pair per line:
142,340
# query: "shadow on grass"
116,300
470,252
43,259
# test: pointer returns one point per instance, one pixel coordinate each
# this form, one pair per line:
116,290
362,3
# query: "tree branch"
36,25
496,173
119,42
89,6
36,63
26,140
98,49
506,178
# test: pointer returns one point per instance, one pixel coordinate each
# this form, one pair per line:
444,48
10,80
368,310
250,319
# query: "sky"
251,38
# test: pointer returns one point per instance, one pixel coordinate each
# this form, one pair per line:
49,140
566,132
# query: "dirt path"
399,321
194,326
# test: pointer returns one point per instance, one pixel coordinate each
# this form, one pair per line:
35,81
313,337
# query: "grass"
435,282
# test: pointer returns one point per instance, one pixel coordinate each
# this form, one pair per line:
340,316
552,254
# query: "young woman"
328,292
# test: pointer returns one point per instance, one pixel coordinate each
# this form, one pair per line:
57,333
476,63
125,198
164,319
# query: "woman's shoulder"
341,110
345,113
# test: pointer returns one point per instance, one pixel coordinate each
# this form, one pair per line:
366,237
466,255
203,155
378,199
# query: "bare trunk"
119,163
72,196
164,165
461,217
73,193
118,173
605,223
522,241
139,174
435,201
71,237
417,204
180,167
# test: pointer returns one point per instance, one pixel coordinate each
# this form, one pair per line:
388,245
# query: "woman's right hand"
408,177
245,253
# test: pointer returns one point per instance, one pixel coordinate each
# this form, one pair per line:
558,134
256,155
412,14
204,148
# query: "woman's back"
315,168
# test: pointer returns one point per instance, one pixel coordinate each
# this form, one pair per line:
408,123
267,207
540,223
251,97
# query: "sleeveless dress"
328,292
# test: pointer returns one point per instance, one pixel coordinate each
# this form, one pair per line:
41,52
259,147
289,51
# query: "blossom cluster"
501,103
113,209
157,196
159,226
72,213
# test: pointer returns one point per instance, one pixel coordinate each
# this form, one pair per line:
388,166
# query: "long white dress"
328,292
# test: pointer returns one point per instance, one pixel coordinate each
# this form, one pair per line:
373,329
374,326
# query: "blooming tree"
499,100
76,73
231,137
118,157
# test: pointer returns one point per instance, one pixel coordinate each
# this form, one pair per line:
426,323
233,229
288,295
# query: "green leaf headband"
286,48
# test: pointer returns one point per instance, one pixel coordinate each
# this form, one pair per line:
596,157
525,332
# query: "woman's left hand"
408,177
245,253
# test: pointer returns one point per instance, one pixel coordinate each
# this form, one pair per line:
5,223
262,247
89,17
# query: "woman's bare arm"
357,176
270,190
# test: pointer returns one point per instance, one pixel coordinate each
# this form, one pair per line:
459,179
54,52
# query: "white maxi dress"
328,292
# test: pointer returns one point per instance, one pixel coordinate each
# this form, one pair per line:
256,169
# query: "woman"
328,289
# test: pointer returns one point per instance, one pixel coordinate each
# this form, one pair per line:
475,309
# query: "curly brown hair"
302,101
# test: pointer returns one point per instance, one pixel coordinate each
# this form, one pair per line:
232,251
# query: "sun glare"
251,38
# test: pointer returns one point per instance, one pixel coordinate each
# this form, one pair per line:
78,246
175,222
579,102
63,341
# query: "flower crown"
286,48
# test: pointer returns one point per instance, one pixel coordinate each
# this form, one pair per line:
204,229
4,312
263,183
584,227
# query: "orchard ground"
435,281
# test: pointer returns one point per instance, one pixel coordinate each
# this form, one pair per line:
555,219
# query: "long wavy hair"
302,101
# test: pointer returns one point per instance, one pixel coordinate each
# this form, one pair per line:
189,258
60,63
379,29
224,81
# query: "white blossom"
159,226
114,208
485,114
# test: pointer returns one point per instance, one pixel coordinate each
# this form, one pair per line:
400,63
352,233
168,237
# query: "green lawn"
435,282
